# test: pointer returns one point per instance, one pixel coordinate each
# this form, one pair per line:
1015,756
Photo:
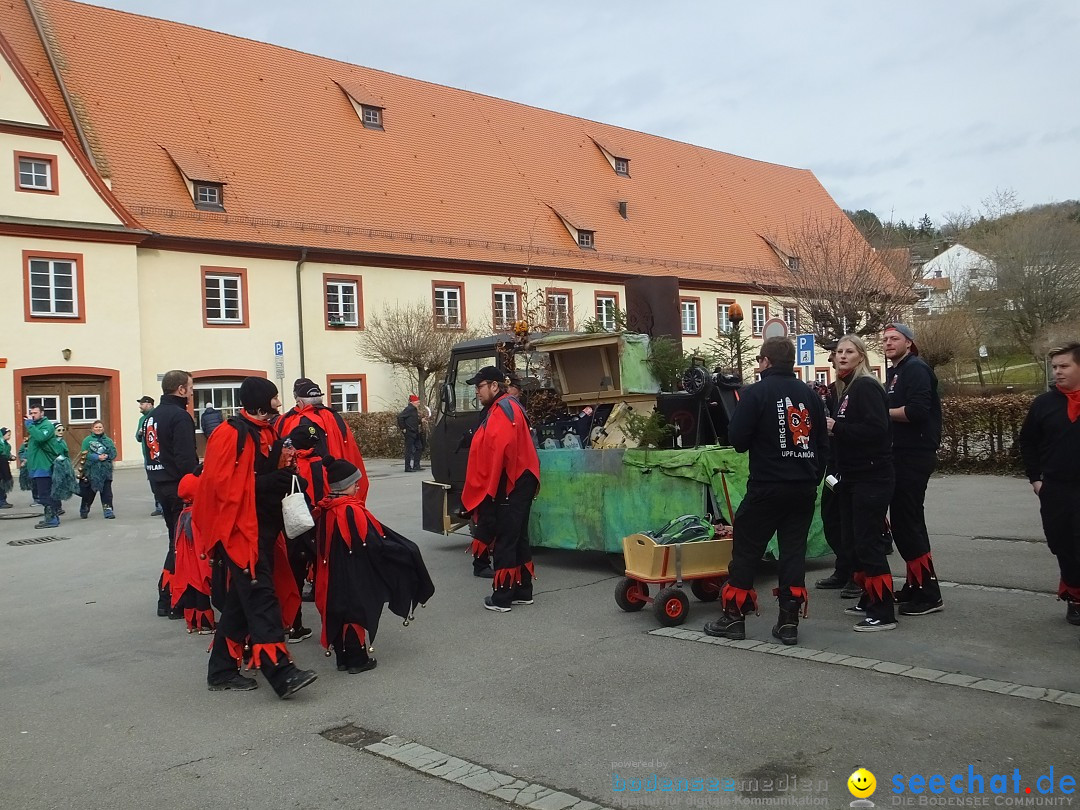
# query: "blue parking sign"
804,348
279,348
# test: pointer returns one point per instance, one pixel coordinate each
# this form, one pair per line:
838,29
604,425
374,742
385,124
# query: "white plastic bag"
294,510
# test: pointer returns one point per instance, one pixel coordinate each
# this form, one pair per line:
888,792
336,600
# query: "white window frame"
759,313
85,400
49,403
821,377
338,303
35,174
223,395
341,397
605,312
52,300
622,166
558,311
689,317
723,317
209,194
371,116
221,280
504,308
447,299
793,321
586,239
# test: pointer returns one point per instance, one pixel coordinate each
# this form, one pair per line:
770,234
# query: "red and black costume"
336,440
191,578
912,385
363,565
502,480
237,515
1050,448
863,447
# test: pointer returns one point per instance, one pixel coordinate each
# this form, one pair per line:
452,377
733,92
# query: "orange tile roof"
455,175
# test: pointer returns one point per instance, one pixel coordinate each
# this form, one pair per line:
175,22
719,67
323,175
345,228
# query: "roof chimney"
622,208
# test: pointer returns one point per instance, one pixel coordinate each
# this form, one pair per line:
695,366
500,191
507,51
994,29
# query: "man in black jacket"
409,422
169,437
915,410
1050,447
782,424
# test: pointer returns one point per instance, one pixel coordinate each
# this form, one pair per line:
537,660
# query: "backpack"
685,529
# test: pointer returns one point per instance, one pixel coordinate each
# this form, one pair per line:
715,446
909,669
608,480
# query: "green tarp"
591,499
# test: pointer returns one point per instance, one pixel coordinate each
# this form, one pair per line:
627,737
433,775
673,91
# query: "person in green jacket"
6,481
42,448
98,452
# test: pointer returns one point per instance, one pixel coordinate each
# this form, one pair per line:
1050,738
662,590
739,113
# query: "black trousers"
87,494
171,507
863,504
301,552
832,524
414,448
1059,506
511,553
43,492
249,607
907,515
783,509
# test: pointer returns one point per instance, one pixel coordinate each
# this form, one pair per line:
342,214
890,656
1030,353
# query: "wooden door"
74,401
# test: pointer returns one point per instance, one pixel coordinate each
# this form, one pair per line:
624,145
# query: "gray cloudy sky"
926,106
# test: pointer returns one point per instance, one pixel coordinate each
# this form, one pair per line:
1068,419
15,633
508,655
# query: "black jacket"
782,423
169,436
1049,442
861,437
912,385
409,419
210,419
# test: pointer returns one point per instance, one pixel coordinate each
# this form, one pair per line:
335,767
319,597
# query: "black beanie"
341,474
256,393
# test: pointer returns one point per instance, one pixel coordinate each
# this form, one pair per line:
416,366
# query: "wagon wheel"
671,607
631,595
707,590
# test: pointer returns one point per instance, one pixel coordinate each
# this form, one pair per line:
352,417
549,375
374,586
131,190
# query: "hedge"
978,433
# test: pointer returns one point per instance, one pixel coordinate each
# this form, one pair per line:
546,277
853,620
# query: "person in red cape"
1050,447
337,439
362,566
501,482
191,578
238,524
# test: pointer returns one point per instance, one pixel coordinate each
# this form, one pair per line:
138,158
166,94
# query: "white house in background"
948,276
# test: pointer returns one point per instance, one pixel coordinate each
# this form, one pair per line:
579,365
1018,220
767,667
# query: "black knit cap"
489,374
341,474
256,394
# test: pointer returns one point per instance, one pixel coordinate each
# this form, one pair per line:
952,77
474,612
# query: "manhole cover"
36,541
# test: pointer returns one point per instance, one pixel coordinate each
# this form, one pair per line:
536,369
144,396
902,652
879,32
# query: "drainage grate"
36,541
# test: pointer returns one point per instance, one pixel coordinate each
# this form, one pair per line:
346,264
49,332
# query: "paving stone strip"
459,771
888,667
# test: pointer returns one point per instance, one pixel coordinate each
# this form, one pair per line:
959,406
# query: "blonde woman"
862,444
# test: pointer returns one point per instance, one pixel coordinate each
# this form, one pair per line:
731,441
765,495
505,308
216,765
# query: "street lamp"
735,315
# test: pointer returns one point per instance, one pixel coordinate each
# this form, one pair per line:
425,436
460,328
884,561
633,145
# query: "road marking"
888,667
459,771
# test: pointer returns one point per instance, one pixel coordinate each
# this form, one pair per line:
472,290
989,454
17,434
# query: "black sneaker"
831,582
1072,612
296,680
484,573
522,600
162,611
921,608
236,682
371,663
855,610
869,625
850,590
905,594
298,634
490,604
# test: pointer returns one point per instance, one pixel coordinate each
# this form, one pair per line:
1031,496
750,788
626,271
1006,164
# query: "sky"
922,107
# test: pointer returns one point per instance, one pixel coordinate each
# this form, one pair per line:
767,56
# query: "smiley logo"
861,783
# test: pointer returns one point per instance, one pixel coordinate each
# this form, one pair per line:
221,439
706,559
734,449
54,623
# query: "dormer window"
585,238
371,116
208,196
611,153
793,262
622,166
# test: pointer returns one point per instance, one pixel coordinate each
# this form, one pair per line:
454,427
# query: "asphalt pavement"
561,704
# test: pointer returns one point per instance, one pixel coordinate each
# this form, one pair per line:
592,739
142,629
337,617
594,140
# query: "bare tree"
839,282
1036,256
405,336
944,337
